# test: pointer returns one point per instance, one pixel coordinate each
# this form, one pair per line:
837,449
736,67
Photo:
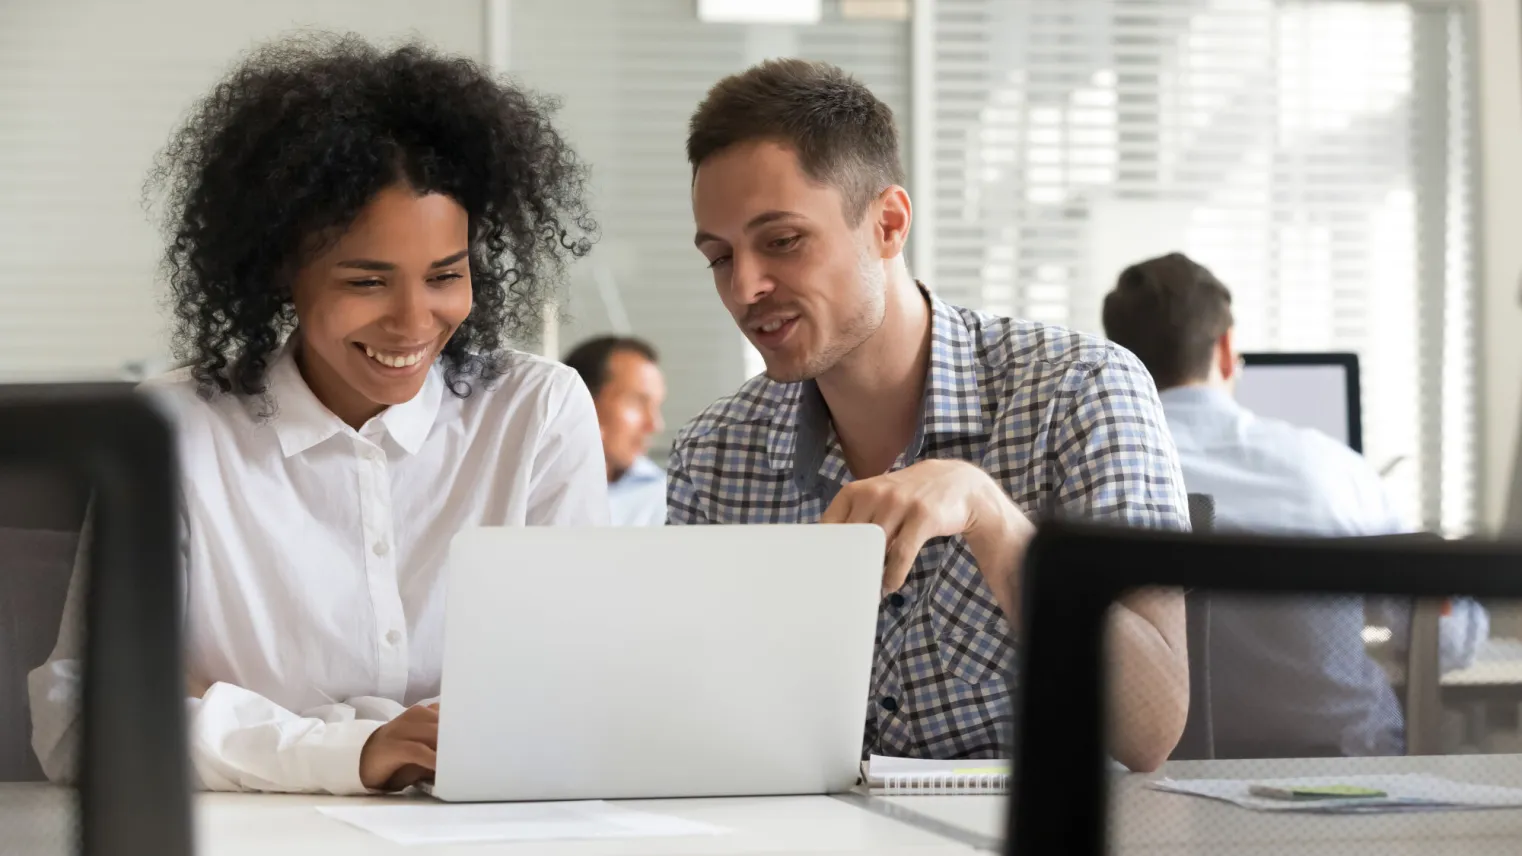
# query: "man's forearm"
998,537
1148,673
999,551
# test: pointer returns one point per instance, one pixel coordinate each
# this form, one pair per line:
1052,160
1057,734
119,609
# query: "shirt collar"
643,470
301,421
1199,397
952,404
953,393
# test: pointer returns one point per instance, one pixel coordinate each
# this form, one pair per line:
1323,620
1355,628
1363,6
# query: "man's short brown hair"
1169,312
843,135
592,358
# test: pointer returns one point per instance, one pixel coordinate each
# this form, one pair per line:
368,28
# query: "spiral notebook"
916,777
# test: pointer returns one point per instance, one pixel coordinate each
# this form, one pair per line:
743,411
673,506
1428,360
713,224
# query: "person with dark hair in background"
882,404
354,235
1291,676
624,377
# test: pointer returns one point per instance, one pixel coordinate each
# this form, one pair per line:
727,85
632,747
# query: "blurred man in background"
1290,676
626,384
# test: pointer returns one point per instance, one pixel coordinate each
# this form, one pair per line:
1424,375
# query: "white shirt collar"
301,421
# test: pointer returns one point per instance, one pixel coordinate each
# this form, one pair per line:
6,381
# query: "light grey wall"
89,90
630,73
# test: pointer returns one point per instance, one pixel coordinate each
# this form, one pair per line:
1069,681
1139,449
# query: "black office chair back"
133,778
42,508
1201,512
41,511
1074,573
1198,740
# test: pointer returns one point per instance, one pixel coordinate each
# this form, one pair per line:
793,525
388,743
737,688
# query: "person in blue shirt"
624,377
1290,676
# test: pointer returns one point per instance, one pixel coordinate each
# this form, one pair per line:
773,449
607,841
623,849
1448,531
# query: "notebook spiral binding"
945,784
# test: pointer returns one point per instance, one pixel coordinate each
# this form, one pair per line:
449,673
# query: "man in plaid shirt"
882,404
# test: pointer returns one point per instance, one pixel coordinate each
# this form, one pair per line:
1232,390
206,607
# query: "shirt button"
382,548
889,703
393,637
896,601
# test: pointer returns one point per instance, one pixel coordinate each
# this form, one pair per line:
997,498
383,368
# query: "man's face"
629,409
805,286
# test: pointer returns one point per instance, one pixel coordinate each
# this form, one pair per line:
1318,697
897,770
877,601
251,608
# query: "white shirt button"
393,637
381,548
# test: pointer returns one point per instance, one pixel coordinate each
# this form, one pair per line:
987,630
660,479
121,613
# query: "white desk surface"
36,819
1497,662
1145,822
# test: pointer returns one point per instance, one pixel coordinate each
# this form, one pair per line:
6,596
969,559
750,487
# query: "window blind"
89,91
629,75
1317,156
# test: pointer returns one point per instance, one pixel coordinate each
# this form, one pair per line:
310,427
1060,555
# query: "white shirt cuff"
333,761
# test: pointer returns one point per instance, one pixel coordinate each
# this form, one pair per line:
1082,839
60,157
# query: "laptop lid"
656,662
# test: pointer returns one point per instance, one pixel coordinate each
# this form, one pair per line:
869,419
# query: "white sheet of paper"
446,823
1406,792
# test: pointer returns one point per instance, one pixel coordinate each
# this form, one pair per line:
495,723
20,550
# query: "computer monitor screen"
1317,390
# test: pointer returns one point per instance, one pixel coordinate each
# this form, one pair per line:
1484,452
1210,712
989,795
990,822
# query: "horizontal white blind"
629,74
89,91
1275,142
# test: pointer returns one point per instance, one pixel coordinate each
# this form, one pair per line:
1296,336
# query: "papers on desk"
418,822
1404,792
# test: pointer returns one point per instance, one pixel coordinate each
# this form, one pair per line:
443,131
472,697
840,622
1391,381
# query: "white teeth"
772,326
396,361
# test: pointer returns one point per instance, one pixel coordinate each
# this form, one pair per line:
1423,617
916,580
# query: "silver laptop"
680,661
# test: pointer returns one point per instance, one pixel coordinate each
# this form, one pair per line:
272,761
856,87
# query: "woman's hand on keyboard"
402,752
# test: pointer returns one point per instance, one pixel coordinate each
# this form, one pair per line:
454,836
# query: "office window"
630,75
1316,155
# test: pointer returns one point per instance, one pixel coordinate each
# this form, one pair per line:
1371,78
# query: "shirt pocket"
979,657
972,640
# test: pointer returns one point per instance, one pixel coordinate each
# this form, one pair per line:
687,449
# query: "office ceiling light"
760,11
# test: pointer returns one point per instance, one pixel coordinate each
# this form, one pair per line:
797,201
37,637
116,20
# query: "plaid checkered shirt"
1066,423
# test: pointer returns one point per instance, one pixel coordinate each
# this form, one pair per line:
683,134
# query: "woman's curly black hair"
284,152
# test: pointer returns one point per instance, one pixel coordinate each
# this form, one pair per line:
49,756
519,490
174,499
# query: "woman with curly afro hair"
353,236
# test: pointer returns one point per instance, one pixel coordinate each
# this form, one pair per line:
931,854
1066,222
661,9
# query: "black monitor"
133,776
1074,572
1313,390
